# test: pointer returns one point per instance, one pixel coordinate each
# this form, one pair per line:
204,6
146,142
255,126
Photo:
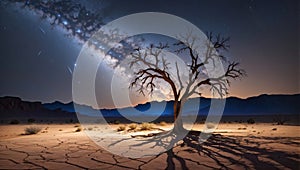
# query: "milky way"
73,16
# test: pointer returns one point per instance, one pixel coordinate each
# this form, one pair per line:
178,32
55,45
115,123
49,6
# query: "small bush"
90,128
280,119
132,126
32,130
79,129
210,125
162,123
146,126
121,128
31,120
116,122
250,121
14,122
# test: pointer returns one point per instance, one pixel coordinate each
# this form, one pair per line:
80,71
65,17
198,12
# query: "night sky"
37,58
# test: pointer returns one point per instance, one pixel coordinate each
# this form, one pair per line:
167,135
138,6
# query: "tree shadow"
220,149
224,152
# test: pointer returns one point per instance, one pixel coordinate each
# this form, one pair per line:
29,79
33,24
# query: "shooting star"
39,53
71,72
42,30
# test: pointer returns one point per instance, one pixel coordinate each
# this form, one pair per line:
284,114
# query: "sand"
232,146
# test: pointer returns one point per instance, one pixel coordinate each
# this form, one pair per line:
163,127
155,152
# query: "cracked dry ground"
57,148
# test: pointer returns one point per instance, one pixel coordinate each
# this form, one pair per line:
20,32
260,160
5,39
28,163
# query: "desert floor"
232,146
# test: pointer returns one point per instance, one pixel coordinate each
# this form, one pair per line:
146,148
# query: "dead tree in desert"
155,67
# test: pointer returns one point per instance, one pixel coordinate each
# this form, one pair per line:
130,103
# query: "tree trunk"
178,124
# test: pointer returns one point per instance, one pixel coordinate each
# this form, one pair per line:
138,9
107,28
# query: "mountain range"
14,107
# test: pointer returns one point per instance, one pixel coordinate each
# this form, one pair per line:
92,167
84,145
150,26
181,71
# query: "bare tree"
156,67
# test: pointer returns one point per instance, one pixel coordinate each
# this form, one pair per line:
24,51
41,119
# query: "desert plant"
32,130
210,125
116,122
162,123
132,126
14,122
280,119
121,128
250,121
146,126
90,128
79,129
31,120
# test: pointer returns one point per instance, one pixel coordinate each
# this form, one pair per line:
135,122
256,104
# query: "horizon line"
290,94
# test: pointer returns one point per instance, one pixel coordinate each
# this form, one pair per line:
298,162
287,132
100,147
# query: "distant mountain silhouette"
258,105
14,107
264,104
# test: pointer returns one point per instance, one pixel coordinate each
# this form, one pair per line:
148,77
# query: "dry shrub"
251,121
79,129
210,125
116,122
90,128
14,122
32,130
162,123
132,126
280,119
121,128
146,126
31,120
